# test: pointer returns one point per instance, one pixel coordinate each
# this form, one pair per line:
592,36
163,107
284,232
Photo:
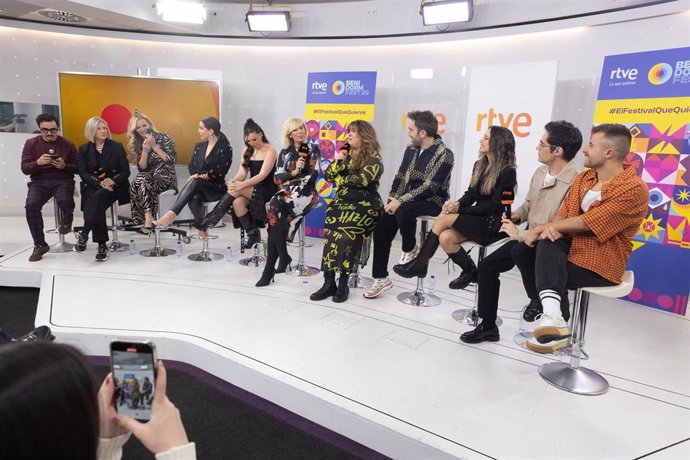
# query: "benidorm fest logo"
660,73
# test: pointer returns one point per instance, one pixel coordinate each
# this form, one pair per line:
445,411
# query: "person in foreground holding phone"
50,408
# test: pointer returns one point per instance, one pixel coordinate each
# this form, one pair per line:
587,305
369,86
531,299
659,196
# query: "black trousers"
95,210
551,269
195,194
488,280
405,220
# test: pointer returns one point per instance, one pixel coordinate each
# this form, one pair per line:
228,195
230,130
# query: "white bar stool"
302,269
115,245
570,376
470,316
62,245
157,250
419,298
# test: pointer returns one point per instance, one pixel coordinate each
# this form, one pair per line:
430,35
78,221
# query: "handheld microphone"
344,150
99,173
507,198
303,152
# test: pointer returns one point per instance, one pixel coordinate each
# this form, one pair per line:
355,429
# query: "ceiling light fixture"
269,18
181,11
446,11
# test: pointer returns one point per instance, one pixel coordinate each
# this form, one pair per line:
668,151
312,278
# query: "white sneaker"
406,257
380,285
550,334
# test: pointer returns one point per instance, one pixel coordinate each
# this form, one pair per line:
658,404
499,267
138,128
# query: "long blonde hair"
135,140
501,154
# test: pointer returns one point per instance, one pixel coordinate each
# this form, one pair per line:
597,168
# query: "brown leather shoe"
64,229
38,252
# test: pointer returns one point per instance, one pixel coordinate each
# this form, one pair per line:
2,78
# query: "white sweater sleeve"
186,452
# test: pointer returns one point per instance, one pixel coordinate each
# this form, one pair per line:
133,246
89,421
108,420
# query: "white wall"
267,82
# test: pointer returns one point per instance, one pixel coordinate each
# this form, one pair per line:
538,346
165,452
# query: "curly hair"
370,143
135,139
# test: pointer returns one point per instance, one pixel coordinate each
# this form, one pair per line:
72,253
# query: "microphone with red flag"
303,152
507,198
344,150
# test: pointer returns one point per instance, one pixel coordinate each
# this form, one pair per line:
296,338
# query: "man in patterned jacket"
419,189
588,243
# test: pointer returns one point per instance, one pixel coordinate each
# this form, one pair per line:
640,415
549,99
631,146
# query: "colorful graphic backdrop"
175,106
650,93
333,100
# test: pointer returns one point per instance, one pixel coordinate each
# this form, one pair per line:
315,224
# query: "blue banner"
341,87
651,74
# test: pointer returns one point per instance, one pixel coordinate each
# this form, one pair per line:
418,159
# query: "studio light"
446,11
268,21
181,11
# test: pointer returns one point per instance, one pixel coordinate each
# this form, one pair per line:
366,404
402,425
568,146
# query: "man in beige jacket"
549,185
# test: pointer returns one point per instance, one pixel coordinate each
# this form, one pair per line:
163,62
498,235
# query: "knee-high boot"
271,258
469,270
280,233
216,214
253,234
419,265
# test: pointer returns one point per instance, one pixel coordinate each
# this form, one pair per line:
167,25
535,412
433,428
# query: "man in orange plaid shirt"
588,243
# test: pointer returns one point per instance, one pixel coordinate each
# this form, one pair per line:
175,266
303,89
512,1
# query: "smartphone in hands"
133,365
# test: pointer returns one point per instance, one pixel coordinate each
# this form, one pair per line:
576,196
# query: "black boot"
216,214
483,333
253,234
469,270
328,288
420,265
280,233
269,268
343,290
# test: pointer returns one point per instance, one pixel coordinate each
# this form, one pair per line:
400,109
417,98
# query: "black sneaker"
81,244
102,254
531,311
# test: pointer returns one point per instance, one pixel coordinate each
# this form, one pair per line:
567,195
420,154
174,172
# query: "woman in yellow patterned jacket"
355,210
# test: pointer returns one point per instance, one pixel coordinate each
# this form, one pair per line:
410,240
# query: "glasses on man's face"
49,130
543,144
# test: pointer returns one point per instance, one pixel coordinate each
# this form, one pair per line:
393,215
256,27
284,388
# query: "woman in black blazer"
210,163
104,171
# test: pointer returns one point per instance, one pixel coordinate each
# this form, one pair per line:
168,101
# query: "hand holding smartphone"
133,366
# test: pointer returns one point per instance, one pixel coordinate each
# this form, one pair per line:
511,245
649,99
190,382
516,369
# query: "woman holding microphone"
295,175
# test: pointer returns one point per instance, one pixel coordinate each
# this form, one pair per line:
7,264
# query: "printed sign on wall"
334,99
650,93
518,97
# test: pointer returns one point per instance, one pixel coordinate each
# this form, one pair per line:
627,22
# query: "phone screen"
133,366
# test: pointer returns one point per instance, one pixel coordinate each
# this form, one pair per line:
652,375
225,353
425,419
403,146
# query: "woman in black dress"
247,196
154,155
104,171
296,170
477,215
355,210
210,163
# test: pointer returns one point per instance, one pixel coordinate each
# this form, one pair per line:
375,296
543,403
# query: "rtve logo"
518,124
623,74
319,86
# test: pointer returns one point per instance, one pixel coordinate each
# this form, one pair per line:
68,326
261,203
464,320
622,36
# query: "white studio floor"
393,377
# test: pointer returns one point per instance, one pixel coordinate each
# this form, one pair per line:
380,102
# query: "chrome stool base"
305,270
580,380
256,260
117,246
204,256
62,246
470,317
157,252
419,298
358,281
